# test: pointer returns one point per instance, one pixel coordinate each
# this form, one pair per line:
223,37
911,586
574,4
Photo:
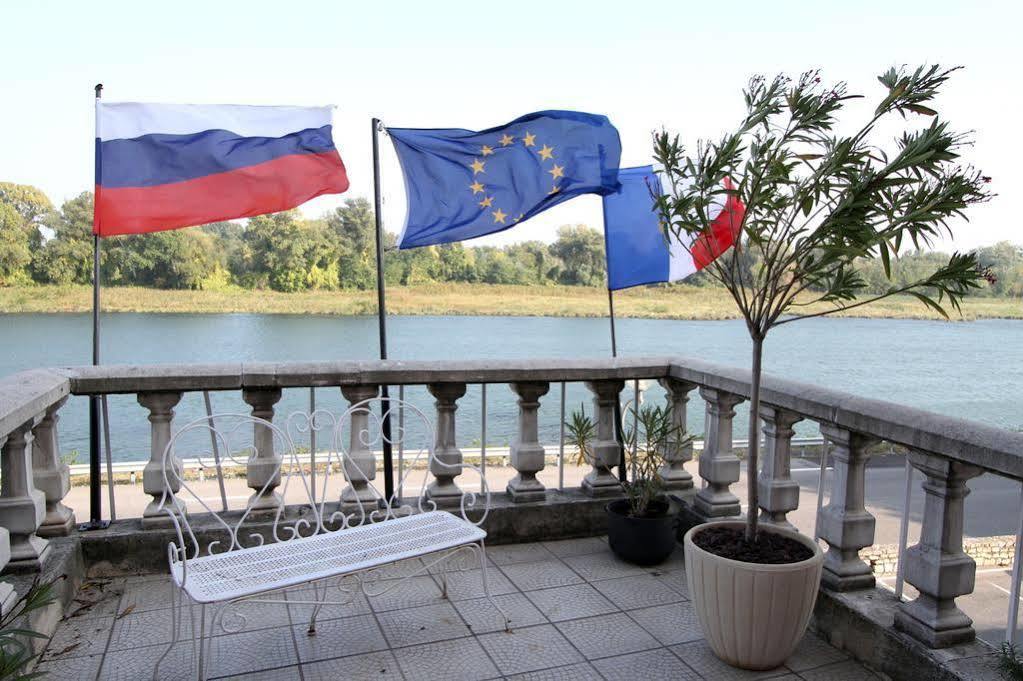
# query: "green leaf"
921,109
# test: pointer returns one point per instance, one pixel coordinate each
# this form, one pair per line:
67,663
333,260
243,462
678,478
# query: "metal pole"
622,474
1017,568
820,492
483,429
312,441
215,446
401,441
900,572
382,313
109,456
561,443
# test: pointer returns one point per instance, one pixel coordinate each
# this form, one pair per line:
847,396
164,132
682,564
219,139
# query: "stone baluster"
778,492
263,471
527,454
161,417
443,490
845,523
937,566
605,450
673,472
22,506
52,476
719,466
7,596
360,463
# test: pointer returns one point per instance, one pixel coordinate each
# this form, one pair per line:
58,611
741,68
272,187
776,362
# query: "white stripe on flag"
128,120
680,264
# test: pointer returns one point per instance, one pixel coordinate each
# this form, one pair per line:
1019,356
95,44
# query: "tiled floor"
577,613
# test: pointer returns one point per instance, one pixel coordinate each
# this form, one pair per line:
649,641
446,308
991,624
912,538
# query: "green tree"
178,259
66,258
353,232
581,252
281,251
14,246
29,202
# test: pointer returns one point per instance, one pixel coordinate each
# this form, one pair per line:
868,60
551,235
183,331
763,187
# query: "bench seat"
237,574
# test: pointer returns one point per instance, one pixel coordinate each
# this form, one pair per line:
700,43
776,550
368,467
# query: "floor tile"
529,649
79,637
134,664
508,554
570,602
404,593
639,591
251,651
153,627
301,611
380,666
542,575
674,579
576,547
281,674
841,671
649,665
147,594
670,624
702,659
403,568
97,598
460,659
607,635
469,583
813,652
482,617
71,668
604,565
582,671
334,638
425,624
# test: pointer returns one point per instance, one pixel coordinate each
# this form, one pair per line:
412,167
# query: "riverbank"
677,302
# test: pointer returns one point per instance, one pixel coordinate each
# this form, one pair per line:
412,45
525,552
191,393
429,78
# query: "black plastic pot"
643,541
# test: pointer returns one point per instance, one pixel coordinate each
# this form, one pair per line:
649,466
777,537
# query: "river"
968,369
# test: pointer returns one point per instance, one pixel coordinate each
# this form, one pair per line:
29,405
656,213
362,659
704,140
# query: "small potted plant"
819,204
640,527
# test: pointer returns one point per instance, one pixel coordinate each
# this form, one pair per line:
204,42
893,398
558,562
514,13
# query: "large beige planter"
753,616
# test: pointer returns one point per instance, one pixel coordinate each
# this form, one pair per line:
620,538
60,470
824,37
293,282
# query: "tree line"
40,243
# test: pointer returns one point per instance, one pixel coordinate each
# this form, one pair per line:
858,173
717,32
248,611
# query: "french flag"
164,166
636,249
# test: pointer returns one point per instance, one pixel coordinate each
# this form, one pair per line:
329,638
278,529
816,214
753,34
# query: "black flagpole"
385,424
95,498
618,407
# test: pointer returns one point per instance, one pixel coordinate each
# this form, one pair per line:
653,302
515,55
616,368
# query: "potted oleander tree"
641,526
819,203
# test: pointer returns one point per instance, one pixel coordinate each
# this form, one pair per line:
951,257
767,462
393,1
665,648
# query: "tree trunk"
753,445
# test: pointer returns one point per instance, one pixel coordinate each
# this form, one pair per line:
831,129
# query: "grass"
677,302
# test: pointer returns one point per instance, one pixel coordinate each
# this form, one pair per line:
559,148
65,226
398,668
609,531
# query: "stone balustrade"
948,452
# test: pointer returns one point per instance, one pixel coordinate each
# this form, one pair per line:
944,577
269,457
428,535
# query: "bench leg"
316,610
176,625
486,584
201,668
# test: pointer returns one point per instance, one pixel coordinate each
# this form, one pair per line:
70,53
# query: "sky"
675,65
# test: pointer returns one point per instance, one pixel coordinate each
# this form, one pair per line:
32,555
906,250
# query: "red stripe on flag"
722,234
280,184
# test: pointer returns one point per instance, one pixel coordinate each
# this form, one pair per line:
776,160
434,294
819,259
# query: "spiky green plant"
15,649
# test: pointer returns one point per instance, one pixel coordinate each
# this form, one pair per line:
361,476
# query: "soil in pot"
642,540
768,549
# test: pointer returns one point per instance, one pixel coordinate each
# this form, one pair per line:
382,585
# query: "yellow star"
528,140
506,140
546,153
485,203
476,187
477,166
499,216
554,190
487,151
557,171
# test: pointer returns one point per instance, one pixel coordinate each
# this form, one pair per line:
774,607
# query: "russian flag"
164,166
635,245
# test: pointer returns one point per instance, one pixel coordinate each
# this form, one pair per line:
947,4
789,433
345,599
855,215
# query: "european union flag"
463,184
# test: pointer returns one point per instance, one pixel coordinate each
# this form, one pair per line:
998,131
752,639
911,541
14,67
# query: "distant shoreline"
678,302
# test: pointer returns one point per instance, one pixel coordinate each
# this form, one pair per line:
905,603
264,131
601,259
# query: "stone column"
264,466
605,450
161,417
360,464
443,490
673,472
52,476
7,596
937,566
22,506
719,466
778,492
527,454
844,523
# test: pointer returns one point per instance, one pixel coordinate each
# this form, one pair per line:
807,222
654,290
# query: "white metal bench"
323,540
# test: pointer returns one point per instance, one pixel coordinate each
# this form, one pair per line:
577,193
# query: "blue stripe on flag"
636,250
158,159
